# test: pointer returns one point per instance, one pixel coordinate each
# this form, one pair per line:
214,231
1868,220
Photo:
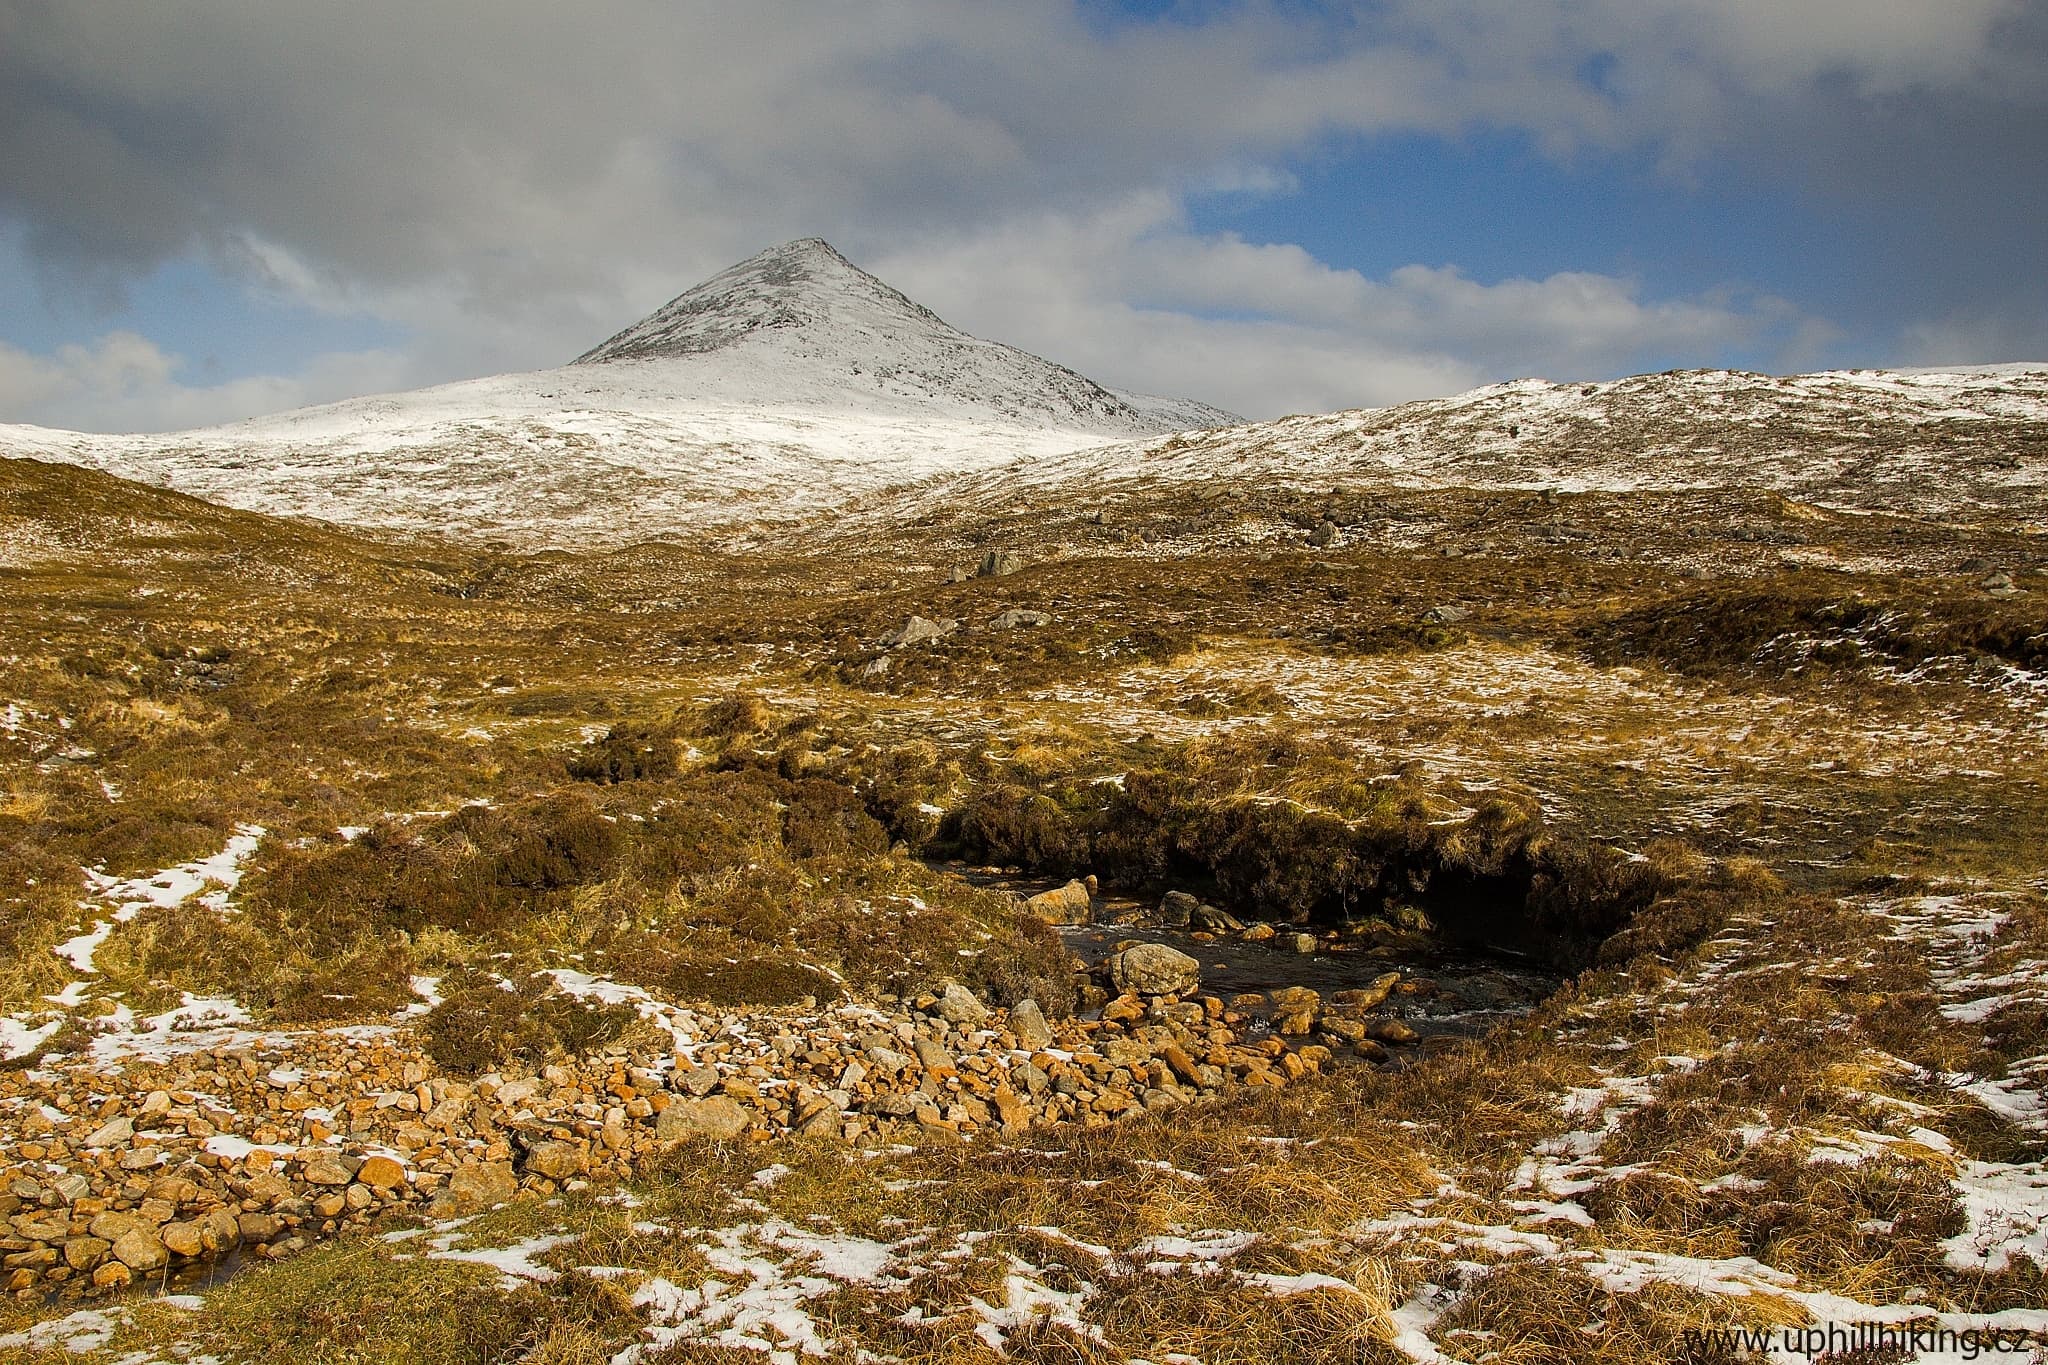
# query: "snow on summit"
809,322
781,387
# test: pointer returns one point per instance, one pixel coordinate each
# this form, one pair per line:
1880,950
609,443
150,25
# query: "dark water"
1463,994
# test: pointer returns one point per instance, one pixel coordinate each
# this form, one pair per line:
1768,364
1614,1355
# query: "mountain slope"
1967,443
780,388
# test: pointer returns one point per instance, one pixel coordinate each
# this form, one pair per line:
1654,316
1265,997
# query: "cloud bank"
508,182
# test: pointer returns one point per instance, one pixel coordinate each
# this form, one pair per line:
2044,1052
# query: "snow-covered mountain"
1968,443
784,386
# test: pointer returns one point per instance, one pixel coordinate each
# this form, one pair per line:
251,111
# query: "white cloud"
1130,297
124,382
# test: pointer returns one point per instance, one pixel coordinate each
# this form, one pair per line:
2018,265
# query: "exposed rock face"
1155,969
1069,904
918,631
1000,563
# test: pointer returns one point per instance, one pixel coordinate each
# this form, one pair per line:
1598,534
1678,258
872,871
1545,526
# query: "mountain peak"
804,285
800,324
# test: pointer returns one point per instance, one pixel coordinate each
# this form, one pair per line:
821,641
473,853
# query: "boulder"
999,563
557,1160
957,1005
329,1168
1027,1021
112,1133
1303,943
83,1253
719,1116
1295,1011
1176,908
1016,618
140,1251
1391,1031
184,1239
472,1189
1324,536
1154,969
1069,904
381,1173
1369,996
917,631
1211,920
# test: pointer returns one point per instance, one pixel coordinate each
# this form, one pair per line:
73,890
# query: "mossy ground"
1722,794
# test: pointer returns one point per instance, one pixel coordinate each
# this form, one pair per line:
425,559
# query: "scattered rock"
1368,996
1391,1031
1446,615
184,1239
381,1173
1303,943
329,1168
1211,920
1324,536
83,1253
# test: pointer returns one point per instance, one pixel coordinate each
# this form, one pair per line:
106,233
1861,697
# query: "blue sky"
235,207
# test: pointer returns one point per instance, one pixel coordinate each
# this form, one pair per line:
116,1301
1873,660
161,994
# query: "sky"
220,208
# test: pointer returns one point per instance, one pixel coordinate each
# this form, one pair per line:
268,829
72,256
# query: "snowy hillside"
780,388
1966,442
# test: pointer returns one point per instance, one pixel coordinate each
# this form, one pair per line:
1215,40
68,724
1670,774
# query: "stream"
1455,995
